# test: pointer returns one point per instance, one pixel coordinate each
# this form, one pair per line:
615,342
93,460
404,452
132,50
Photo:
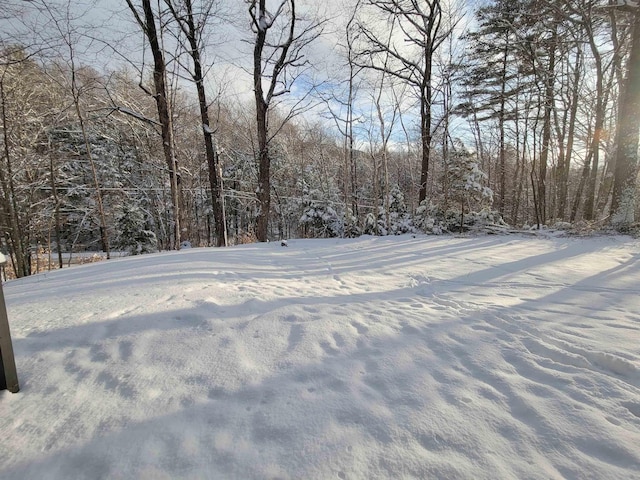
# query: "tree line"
389,116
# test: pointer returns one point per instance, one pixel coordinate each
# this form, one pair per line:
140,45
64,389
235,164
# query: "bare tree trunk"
20,257
385,163
606,184
148,26
56,206
280,58
425,137
617,76
586,169
626,169
384,137
103,223
546,130
262,110
564,163
536,203
192,32
501,125
589,205
477,134
522,156
67,35
352,166
376,193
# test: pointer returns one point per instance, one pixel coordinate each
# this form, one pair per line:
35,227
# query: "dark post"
8,374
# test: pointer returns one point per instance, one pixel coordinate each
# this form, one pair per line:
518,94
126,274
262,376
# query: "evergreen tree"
467,181
134,236
399,219
495,74
319,217
351,228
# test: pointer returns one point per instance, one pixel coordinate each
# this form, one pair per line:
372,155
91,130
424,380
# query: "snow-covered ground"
431,357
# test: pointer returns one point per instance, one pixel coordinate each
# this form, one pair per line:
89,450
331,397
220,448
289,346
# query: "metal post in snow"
8,374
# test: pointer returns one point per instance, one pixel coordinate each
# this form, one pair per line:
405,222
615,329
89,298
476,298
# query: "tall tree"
493,75
583,20
341,109
192,25
146,19
409,56
12,220
278,44
565,125
623,202
69,35
540,48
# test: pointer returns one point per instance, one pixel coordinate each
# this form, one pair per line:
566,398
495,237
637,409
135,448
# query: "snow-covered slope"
428,357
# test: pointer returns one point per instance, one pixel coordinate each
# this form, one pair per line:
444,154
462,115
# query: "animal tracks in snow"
360,328
368,358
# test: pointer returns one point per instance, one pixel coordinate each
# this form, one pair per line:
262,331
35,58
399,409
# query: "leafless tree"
279,41
192,24
63,22
146,18
409,56
17,52
9,204
340,109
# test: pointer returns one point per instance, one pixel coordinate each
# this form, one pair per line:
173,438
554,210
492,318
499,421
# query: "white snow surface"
498,357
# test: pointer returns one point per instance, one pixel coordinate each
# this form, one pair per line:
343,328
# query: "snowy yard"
431,357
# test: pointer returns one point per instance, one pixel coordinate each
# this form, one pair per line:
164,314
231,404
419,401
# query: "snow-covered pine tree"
494,75
319,217
466,180
399,219
134,235
351,227
370,222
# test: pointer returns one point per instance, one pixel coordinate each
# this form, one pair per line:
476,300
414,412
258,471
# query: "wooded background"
127,128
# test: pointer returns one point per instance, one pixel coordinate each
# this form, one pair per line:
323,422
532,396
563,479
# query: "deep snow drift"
429,357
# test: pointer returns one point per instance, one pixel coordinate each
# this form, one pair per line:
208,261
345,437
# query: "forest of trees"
127,129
